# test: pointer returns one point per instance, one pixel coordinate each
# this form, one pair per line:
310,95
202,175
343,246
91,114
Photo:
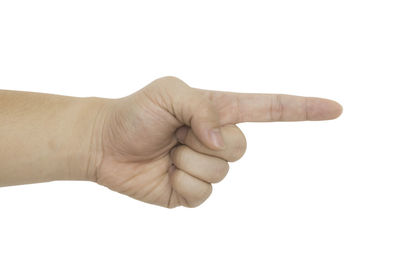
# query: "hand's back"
167,143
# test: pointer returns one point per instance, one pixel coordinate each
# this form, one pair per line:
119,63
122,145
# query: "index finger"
244,107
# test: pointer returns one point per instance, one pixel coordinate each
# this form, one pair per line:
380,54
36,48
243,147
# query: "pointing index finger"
239,107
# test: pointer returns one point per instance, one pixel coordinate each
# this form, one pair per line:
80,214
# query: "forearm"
47,137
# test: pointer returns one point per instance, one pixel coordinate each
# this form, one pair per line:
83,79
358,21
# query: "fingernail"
216,138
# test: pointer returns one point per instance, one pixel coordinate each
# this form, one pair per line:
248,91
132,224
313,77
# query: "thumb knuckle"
168,82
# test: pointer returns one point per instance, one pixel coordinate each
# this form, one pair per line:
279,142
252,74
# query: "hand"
167,143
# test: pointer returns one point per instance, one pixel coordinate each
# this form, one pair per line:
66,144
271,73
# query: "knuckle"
170,82
169,78
167,83
276,108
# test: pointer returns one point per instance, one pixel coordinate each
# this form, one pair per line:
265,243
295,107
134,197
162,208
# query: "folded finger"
234,139
193,191
207,168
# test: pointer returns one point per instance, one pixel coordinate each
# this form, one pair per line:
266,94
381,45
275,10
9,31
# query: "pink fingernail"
216,138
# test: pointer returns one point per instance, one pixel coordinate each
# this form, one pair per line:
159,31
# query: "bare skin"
165,144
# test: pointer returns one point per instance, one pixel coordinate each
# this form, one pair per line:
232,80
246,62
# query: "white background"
305,194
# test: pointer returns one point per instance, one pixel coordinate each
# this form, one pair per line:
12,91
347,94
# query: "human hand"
167,143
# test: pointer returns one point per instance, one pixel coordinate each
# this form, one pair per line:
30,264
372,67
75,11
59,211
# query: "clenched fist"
168,143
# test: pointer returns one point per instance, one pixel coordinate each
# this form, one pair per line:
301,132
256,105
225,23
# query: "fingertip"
339,110
323,109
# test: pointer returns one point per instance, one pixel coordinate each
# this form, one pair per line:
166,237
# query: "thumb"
191,107
205,123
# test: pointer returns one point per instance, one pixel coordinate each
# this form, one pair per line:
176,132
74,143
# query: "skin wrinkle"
280,108
92,147
172,191
306,109
133,179
165,184
122,184
275,108
161,171
170,194
155,184
102,134
181,200
238,109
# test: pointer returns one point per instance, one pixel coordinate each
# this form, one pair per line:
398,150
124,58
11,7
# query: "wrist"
48,137
87,138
